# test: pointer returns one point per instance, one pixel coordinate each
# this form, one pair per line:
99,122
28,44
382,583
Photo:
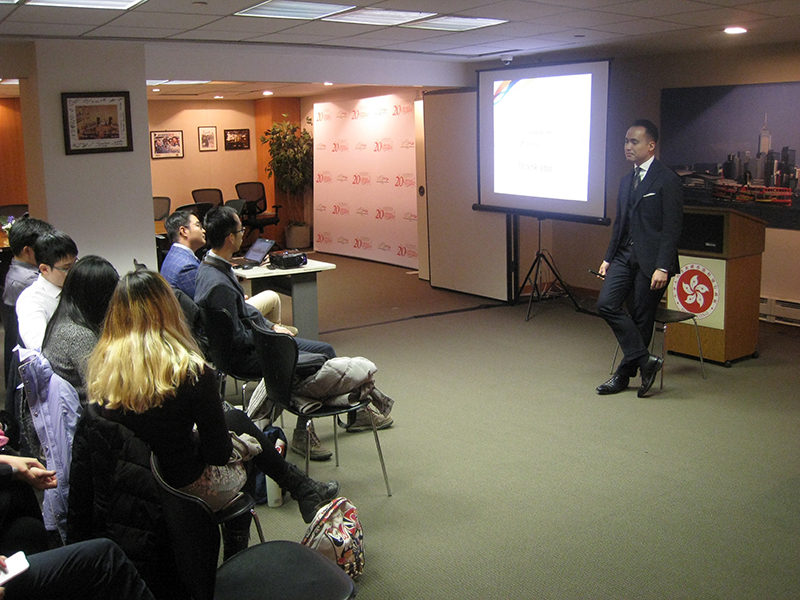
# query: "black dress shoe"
615,385
649,371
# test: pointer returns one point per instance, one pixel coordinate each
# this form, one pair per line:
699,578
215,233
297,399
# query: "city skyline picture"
735,146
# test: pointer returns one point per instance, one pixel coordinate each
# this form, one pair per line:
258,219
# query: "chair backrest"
254,194
210,195
161,205
237,205
277,353
194,534
218,326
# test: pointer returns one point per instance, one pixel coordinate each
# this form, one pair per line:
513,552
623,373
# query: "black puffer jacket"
113,495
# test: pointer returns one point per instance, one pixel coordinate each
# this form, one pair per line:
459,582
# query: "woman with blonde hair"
149,375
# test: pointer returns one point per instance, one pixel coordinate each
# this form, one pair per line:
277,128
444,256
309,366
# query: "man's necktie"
637,173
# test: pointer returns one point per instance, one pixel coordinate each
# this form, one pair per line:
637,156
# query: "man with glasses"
55,253
187,236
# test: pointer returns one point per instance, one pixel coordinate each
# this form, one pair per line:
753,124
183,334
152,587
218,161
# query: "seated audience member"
93,570
181,263
75,327
22,272
55,254
149,375
21,524
218,288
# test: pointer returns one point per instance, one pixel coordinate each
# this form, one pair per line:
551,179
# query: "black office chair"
198,208
218,327
278,354
255,209
274,570
161,205
665,316
211,195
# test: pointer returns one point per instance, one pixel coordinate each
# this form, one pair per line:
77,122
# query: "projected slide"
542,140
541,136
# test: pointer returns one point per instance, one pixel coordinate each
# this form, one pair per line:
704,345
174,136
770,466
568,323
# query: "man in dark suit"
641,257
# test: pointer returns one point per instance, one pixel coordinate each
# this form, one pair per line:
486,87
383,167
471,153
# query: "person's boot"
234,540
310,494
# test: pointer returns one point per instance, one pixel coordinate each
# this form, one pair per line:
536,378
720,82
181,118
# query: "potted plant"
292,164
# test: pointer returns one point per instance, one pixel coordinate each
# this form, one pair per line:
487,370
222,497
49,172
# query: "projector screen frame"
593,209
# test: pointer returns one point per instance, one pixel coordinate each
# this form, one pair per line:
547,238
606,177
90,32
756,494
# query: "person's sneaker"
318,451
362,421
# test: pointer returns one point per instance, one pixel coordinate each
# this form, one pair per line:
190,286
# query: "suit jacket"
217,287
656,219
180,269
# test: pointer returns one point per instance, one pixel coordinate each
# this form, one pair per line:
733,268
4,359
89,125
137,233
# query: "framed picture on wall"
207,138
237,139
97,122
166,144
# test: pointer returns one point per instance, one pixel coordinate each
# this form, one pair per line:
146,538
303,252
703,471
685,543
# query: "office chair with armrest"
255,210
161,205
274,570
665,316
218,327
278,354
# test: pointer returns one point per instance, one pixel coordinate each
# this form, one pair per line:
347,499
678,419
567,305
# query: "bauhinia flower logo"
696,291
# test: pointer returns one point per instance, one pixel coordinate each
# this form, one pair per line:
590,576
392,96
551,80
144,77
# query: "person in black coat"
641,257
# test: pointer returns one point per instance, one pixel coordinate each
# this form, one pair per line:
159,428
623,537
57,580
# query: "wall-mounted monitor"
542,141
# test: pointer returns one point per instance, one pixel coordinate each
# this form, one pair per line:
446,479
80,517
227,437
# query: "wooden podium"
720,254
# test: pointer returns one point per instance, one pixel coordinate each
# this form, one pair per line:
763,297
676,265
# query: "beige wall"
635,91
223,169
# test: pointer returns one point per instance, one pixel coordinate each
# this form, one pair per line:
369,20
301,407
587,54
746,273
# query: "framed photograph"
97,122
166,144
237,139
207,138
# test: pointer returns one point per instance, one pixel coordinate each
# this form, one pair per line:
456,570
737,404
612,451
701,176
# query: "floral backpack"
336,532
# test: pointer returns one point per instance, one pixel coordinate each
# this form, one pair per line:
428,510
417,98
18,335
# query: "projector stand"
535,291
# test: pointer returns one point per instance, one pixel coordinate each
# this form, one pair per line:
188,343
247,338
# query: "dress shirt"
35,305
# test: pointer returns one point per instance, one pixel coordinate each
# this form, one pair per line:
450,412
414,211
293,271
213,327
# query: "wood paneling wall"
13,184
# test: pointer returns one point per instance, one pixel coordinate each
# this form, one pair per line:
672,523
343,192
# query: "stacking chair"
274,570
665,316
255,209
218,326
161,206
278,354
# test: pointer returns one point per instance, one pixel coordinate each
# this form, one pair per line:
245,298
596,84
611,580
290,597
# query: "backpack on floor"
336,532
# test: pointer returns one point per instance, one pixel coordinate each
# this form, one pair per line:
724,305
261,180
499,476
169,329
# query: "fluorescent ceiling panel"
454,23
184,82
377,16
110,4
288,9
8,1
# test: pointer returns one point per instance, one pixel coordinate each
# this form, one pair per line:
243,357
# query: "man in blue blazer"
641,257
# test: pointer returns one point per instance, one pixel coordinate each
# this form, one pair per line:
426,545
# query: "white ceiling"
533,27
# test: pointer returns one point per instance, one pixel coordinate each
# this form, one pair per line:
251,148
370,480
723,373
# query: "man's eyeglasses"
64,269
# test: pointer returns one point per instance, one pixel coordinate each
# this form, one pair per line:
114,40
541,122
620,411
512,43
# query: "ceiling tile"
716,16
163,20
209,7
642,27
249,26
516,10
332,30
655,8
132,32
71,16
582,18
777,8
210,35
43,29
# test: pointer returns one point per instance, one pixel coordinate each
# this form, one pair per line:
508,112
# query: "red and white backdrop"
365,186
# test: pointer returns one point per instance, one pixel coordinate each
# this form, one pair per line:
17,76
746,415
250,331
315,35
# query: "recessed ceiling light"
156,81
377,16
454,23
110,4
266,93
8,1
156,90
218,97
289,9
327,83
735,30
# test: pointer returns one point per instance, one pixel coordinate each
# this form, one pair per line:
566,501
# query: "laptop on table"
255,255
